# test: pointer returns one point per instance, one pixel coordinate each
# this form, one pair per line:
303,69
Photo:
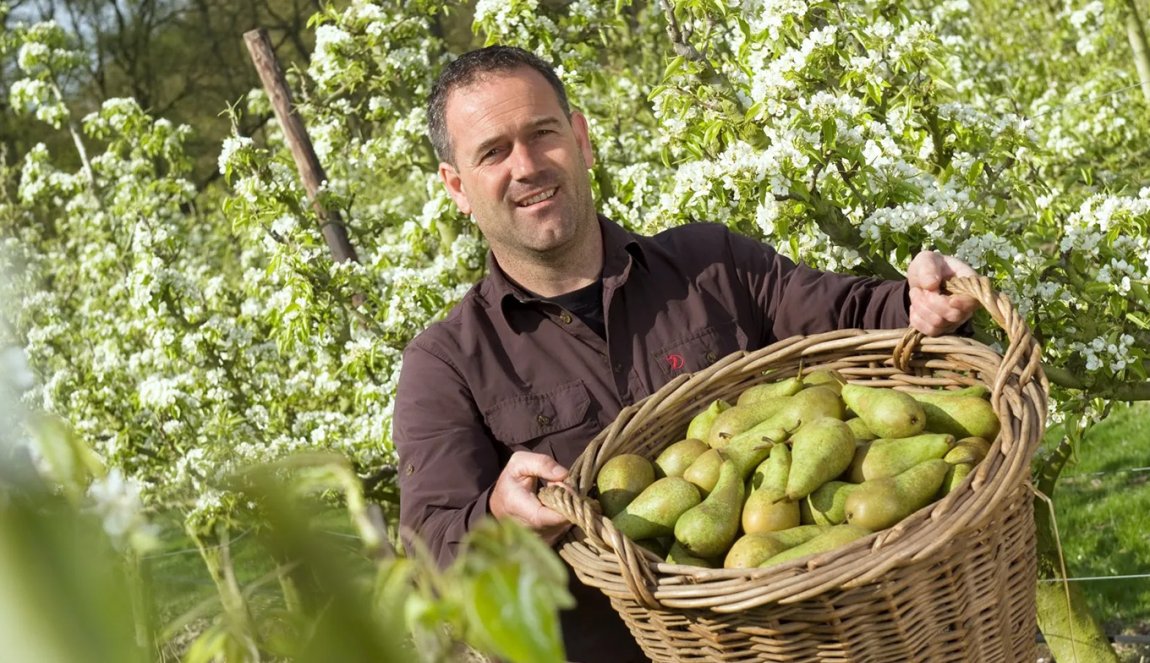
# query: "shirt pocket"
699,349
532,422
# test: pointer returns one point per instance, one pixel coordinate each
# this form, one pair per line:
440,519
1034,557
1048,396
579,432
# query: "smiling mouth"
538,198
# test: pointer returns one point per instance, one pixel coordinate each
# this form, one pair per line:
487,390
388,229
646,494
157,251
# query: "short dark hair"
468,69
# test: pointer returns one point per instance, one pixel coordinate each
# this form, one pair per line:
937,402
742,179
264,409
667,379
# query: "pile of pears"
795,467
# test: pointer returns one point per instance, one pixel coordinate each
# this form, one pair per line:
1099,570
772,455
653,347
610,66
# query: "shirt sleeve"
797,299
448,462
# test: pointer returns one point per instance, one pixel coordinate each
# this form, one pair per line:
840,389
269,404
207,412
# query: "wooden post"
310,171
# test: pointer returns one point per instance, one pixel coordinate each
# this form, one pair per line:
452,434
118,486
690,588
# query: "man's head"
518,159
466,70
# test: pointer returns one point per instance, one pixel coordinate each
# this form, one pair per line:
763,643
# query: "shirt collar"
620,250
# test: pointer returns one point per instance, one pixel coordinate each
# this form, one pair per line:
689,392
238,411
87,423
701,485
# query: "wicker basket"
953,582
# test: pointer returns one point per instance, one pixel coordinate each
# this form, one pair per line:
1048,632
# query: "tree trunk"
1069,627
1136,33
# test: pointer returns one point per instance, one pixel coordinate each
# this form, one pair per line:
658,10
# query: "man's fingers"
527,464
925,271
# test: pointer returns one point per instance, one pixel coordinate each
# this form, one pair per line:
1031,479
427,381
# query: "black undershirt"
586,304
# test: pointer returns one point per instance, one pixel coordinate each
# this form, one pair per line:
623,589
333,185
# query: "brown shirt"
506,371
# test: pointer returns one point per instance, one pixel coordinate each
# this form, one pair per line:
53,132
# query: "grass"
1102,501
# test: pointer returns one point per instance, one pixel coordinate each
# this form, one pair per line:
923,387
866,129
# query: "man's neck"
556,274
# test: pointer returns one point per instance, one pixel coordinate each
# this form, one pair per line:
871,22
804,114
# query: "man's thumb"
538,465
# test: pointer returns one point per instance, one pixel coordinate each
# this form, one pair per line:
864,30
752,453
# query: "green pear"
731,422
709,529
887,412
968,450
954,477
835,537
879,503
657,547
827,505
701,423
654,511
680,555
814,402
820,450
961,416
750,448
621,479
750,550
785,387
859,428
888,457
704,471
675,459
825,377
771,474
762,514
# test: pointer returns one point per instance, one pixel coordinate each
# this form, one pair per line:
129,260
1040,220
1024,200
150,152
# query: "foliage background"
178,308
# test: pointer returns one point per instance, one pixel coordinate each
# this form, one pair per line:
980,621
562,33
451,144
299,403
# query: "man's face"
520,164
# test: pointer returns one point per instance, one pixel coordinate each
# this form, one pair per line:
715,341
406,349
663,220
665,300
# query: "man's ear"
454,184
583,138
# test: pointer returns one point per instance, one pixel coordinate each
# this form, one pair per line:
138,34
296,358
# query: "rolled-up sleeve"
448,462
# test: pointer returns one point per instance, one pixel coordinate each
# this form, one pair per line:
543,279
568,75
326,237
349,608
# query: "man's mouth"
537,198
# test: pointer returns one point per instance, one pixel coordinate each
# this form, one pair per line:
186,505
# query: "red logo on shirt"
676,361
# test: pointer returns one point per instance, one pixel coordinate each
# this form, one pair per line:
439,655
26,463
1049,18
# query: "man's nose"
524,161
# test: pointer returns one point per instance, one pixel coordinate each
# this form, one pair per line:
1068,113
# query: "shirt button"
410,469
618,368
565,317
543,420
711,356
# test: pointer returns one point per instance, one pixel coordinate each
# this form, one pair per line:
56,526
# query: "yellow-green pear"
827,504
859,428
825,377
704,471
879,503
771,474
785,387
654,511
968,450
709,529
749,448
750,550
961,416
820,450
675,459
680,555
621,479
954,477
731,422
835,537
886,412
888,457
761,514
700,425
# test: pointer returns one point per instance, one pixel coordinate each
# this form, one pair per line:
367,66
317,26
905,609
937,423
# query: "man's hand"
514,494
932,312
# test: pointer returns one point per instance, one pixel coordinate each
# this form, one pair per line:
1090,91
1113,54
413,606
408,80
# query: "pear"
859,428
621,479
709,529
887,412
675,459
770,476
750,550
968,450
814,402
701,423
657,547
704,471
833,538
731,422
820,451
762,514
954,477
825,377
680,555
785,387
654,511
879,503
961,416
888,457
827,505
749,448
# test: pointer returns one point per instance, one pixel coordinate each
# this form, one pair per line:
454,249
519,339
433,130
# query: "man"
578,318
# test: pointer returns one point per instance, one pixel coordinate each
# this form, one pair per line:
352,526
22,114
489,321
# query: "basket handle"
1022,347
636,570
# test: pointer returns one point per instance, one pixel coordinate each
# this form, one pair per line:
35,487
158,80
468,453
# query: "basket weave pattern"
955,581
